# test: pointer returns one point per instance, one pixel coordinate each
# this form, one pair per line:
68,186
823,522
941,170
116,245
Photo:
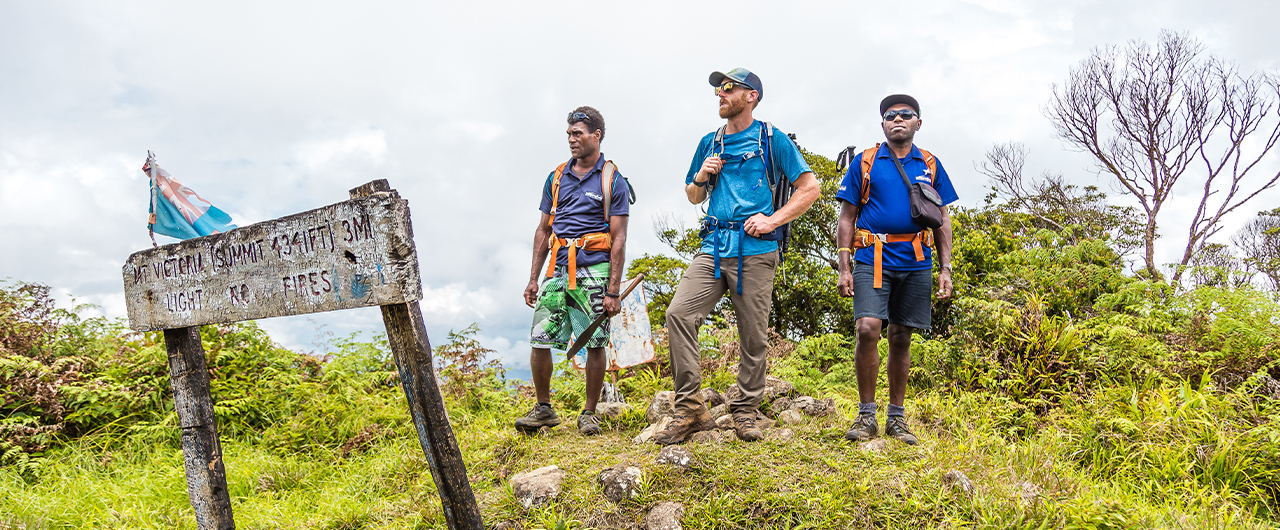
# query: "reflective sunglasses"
905,113
579,116
729,86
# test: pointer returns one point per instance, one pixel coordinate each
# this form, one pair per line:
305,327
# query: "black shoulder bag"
926,204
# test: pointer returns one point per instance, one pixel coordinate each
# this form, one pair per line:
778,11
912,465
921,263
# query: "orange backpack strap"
606,186
931,163
868,159
555,201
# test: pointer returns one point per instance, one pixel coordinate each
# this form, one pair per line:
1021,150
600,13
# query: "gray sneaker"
896,427
863,429
540,416
588,423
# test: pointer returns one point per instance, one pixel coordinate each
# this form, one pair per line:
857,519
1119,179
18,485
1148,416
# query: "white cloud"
272,109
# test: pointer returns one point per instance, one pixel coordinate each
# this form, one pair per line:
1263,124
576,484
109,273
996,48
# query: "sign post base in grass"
357,253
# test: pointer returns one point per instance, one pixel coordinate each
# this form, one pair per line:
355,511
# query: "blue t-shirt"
888,208
743,188
580,209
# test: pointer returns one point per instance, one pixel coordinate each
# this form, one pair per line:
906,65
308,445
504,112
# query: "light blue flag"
177,211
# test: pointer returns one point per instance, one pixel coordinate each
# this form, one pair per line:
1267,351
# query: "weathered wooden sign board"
352,254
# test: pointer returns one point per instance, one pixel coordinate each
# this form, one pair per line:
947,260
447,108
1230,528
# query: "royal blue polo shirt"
581,208
743,188
888,208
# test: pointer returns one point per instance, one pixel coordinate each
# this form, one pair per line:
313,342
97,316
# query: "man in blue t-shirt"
739,251
589,231
894,285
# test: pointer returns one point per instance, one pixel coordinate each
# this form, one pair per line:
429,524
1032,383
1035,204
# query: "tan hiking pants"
697,295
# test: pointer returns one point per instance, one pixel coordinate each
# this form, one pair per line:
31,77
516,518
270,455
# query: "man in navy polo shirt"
738,255
905,271
583,283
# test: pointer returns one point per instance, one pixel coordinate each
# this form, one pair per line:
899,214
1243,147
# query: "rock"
724,421
675,455
1028,493
719,410
780,405
664,516
537,486
709,437
619,482
773,388
791,416
612,410
878,445
508,525
647,434
663,404
711,398
814,407
781,435
957,481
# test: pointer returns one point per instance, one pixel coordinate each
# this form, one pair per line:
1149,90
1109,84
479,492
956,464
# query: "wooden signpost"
356,253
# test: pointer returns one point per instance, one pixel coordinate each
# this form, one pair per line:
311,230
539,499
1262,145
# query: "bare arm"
807,191
844,239
617,261
710,166
541,246
942,243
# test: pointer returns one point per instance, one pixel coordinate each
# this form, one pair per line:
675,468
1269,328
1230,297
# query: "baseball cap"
899,98
739,75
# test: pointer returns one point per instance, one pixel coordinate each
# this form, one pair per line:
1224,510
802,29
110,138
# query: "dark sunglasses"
905,113
729,86
579,116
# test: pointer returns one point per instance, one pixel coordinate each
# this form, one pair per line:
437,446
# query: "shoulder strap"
719,140
931,163
606,187
868,159
555,190
770,172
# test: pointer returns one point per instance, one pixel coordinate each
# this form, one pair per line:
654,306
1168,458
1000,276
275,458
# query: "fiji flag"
178,212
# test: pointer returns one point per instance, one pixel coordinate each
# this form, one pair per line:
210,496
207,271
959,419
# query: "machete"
586,335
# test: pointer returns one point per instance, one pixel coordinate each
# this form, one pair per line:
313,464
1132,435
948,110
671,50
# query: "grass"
1164,468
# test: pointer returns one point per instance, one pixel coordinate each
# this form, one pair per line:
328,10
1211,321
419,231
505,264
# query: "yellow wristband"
839,250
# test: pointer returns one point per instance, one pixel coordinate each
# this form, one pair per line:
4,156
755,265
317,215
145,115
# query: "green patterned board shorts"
562,314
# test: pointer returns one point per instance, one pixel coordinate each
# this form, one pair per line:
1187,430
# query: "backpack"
593,241
781,187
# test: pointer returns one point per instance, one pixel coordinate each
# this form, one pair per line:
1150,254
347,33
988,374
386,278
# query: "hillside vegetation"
1071,393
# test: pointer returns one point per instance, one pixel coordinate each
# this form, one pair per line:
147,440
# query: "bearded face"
735,102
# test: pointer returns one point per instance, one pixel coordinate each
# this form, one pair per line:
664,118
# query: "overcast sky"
271,108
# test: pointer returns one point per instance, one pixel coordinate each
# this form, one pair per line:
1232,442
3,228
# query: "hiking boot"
588,423
864,428
684,424
744,425
540,416
896,427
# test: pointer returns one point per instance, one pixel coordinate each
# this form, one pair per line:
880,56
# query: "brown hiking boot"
683,424
744,425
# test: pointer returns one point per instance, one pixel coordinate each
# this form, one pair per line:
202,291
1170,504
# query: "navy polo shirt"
888,208
580,210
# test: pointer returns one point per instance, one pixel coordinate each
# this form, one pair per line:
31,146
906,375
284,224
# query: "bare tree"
1150,115
1259,241
1078,212
1214,265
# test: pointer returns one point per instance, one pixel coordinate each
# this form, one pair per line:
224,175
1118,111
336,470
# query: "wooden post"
201,450
412,349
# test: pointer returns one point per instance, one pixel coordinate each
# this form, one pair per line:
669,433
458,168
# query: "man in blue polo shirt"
739,251
586,226
897,288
